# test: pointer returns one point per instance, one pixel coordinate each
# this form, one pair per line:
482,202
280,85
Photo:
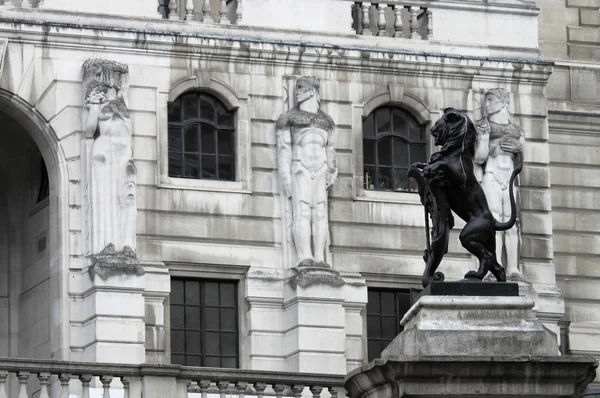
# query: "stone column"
113,305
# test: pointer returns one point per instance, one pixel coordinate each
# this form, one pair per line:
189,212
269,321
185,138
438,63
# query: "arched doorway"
33,251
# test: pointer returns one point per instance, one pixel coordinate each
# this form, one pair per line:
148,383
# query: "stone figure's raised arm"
482,141
284,154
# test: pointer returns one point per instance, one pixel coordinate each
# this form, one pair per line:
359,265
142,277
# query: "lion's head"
454,129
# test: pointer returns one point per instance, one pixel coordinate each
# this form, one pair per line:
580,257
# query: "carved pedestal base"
115,330
472,347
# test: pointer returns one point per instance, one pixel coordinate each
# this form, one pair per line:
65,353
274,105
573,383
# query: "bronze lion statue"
447,183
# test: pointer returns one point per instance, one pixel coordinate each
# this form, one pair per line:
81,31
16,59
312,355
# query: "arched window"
392,141
201,138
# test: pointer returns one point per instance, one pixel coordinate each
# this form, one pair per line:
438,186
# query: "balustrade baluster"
429,24
3,377
106,380
316,391
297,390
381,23
223,386
125,382
85,385
223,18
241,386
173,9
44,379
398,21
333,392
366,19
260,389
238,12
204,384
26,4
207,18
189,10
64,383
9,3
23,377
414,22
278,388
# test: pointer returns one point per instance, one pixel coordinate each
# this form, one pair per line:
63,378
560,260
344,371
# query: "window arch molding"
395,96
233,100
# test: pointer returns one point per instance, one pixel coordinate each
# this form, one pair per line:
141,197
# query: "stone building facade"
212,227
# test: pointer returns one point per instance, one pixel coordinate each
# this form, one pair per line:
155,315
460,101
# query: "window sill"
203,185
365,195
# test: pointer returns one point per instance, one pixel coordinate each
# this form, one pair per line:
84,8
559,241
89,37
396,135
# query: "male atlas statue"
307,168
447,183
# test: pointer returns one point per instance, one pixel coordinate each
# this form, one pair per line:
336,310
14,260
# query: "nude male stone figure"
499,148
307,168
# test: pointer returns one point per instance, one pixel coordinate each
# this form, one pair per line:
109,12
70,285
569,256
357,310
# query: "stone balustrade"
26,378
393,19
22,4
206,11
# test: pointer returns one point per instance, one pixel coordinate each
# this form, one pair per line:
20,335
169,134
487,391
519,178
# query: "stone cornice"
342,52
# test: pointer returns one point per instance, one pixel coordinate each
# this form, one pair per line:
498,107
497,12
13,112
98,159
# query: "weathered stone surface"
468,326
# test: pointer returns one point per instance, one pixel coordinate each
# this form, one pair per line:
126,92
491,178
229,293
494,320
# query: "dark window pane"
400,123
229,363
211,319
177,341
177,317
401,180
384,151
225,168
369,152
400,153
385,178
224,117
207,108
228,295
389,330
178,359
415,132
194,360
211,293
373,326
175,165
213,343
192,168
191,139
192,292
374,348
175,112
417,153
228,319
382,121
175,139
176,292
214,362
370,172
192,318
225,143
373,302
209,167
388,303
190,106
369,127
229,344
193,342
207,144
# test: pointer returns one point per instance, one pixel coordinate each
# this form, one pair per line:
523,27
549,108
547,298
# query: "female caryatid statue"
112,172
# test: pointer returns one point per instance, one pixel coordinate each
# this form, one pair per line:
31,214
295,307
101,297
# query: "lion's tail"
503,226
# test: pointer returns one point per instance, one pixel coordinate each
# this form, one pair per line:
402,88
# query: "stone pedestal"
114,309
314,319
467,346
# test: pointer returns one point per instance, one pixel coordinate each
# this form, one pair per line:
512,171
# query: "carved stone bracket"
310,273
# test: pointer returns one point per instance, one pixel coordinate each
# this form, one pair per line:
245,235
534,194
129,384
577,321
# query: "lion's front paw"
473,275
